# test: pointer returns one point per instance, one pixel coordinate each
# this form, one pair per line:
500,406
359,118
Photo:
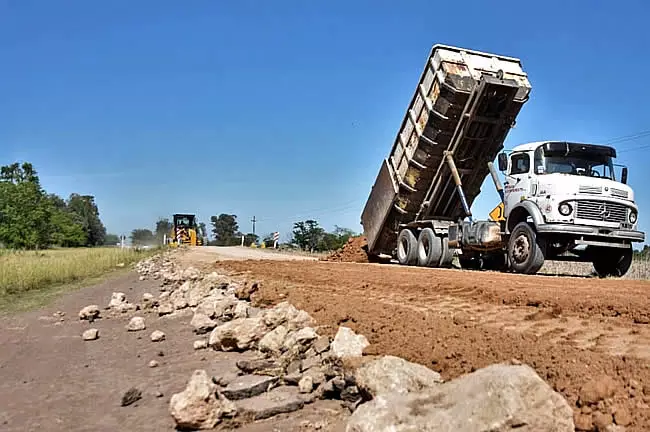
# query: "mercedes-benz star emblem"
604,213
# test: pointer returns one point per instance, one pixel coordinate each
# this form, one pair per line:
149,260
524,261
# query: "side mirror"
503,162
624,175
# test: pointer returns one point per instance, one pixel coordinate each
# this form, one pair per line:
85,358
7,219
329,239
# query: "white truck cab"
565,199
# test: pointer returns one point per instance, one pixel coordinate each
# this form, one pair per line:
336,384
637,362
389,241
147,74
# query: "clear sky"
283,110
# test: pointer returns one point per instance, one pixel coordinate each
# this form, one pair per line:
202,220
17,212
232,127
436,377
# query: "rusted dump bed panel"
465,102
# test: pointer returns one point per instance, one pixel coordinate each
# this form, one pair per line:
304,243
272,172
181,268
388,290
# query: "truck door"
517,184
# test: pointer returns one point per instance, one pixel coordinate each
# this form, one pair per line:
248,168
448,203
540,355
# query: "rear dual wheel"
427,250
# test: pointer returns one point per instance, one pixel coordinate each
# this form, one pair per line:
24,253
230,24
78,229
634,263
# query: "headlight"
565,209
633,216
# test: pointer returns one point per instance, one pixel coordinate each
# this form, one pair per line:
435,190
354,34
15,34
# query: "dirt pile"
355,250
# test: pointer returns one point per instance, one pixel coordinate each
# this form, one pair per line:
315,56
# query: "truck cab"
564,200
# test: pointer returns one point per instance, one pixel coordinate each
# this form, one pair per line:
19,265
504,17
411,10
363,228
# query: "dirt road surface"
571,330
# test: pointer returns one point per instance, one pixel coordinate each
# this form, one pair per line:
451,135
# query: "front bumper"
594,232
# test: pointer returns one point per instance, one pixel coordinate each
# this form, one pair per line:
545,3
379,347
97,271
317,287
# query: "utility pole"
253,220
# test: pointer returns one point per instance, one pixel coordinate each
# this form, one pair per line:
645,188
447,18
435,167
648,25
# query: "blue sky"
284,110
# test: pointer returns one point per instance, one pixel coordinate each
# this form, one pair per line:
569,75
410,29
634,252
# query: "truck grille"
619,193
601,211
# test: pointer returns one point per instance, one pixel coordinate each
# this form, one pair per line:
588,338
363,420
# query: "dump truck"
560,200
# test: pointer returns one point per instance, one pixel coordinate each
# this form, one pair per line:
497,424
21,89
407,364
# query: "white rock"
306,384
153,364
197,406
497,398
147,297
225,307
200,344
90,334
241,310
390,374
347,343
90,312
273,341
197,293
285,313
191,273
178,299
117,298
157,336
239,334
202,323
165,308
301,337
136,324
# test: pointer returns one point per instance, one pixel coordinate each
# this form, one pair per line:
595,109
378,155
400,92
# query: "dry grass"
25,271
640,269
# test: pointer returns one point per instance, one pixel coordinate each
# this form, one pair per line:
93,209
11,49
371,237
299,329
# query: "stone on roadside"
257,365
224,308
311,361
246,386
277,401
200,344
157,336
131,396
244,292
89,313
90,334
301,337
196,407
148,301
306,384
153,364
117,298
599,388
321,345
178,300
237,335
197,292
347,343
273,341
191,273
136,324
165,308
390,374
497,398
202,323
240,310
285,313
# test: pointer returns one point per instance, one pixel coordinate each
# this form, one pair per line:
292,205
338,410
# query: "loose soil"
572,331
353,251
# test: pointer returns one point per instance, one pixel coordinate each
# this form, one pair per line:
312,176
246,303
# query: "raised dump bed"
465,102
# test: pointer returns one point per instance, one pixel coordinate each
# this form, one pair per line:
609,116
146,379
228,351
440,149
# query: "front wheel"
612,262
407,248
524,253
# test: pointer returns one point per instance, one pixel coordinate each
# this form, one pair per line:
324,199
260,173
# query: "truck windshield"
584,164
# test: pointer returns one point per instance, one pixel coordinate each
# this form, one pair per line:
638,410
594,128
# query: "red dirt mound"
353,251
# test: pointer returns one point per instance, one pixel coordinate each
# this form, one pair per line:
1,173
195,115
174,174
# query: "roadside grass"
32,278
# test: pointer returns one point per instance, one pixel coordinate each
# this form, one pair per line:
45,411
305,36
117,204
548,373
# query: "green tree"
163,226
142,237
307,235
85,208
250,238
225,229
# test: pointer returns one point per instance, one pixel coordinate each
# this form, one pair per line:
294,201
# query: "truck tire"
407,248
447,253
429,248
524,254
612,262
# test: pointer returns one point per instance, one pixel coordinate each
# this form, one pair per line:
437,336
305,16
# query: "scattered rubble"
295,366
157,336
497,398
131,396
390,374
200,344
90,334
89,313
197,407
348,344
136,324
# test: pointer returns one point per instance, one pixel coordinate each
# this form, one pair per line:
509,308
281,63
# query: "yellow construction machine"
185,231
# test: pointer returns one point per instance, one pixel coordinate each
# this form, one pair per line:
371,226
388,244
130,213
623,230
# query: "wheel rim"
521,249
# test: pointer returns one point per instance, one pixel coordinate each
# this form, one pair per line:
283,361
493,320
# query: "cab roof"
597,147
